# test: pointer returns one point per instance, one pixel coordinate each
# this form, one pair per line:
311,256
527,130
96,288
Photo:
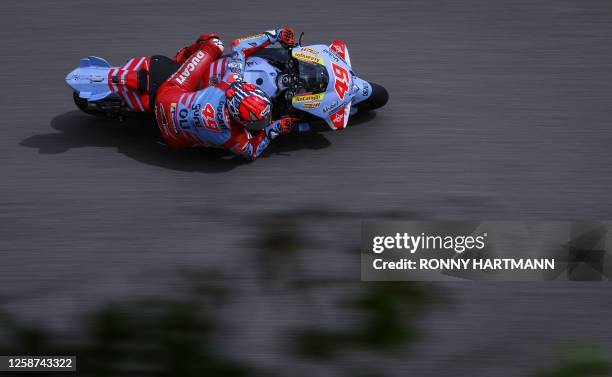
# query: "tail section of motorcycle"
100,89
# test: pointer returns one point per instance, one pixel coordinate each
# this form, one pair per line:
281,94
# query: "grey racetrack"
499,110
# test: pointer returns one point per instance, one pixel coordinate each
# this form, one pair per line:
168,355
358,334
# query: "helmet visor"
258,125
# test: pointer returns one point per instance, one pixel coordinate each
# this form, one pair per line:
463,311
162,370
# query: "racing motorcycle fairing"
341,50
363,92
96,80
94,61
89,79
332,103
259,72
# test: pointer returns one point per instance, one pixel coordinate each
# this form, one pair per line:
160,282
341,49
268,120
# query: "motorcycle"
309,82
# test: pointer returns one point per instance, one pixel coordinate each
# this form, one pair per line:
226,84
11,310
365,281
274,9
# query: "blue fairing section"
259,72
90,79
94,61
364,90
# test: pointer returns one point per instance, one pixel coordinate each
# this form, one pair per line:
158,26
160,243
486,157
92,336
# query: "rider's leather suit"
190,117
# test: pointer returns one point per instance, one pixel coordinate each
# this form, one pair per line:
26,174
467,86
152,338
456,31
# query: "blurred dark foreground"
347,327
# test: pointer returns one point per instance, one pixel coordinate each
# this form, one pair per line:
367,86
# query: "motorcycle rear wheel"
83,105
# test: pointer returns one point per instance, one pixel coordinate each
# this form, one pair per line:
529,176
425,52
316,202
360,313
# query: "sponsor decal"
311,105
161,118
338,118
189,67
209,118
299,55
177,131
339,49
331,55
222,115
366,90
332,106
341,80
197,120
310,50
249,38
235,67
184,119
302,98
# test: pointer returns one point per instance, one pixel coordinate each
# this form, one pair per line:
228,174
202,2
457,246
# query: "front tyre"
378,99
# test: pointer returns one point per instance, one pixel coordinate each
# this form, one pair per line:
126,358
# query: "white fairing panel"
259,72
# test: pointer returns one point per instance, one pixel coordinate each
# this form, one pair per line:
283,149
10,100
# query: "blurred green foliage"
388,312
579,361
160,338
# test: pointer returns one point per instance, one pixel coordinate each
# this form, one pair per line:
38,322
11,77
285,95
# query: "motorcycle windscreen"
313,78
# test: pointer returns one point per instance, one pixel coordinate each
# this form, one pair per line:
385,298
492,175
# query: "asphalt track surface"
498,110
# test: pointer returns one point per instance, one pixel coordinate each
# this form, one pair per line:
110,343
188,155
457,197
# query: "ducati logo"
190,67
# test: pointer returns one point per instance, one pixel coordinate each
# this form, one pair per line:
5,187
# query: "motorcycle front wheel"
378,99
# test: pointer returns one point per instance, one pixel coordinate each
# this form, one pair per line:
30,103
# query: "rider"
232,114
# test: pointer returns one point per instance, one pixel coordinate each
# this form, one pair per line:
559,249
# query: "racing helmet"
248,105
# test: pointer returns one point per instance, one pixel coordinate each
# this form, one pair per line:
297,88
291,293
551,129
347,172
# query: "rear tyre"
83,105
103,108
378,99
80,102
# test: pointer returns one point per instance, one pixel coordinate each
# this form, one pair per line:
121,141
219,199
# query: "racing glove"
282,126
287,124
286,37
